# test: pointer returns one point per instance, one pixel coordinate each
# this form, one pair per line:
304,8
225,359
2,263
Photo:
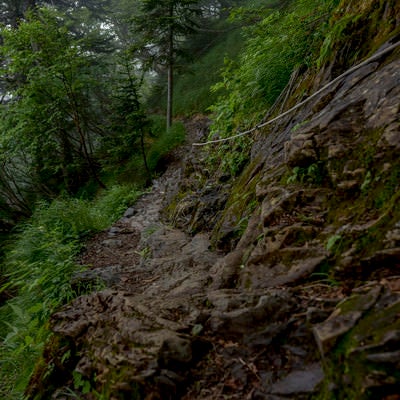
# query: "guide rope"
298,105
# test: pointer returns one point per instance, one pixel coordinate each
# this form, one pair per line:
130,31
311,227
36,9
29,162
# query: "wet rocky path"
167,327
263,319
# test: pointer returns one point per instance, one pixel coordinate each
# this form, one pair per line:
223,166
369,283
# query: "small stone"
300,151
386,167
377,379
197,329
113,231
130,212
297,351
302,381
391,137
112,242
345,187
337,151
357,173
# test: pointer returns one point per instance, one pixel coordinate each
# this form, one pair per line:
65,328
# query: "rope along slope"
298,105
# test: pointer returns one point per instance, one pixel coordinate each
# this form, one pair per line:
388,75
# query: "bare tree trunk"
146,165
170,94
170,89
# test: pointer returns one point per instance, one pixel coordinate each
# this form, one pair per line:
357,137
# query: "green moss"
358,29
241,204
170,211
131,390
347,367
52,369
384,190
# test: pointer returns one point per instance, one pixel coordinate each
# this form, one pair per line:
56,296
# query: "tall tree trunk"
67,160
170,61
170,94
146,165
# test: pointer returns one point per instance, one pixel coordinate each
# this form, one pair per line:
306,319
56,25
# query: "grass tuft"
39,266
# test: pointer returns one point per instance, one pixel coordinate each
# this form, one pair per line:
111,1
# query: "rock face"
283,284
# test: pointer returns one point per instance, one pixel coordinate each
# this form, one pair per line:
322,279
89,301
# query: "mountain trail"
281,283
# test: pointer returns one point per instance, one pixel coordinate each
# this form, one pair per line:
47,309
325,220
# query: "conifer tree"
163,25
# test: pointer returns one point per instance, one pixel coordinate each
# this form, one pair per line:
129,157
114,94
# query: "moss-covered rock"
361,345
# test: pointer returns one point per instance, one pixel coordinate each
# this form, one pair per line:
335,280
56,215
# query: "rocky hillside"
283,283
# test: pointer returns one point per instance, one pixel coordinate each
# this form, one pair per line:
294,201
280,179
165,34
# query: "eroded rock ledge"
303,304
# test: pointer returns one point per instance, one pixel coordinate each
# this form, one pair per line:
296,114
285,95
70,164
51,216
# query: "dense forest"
86,117
75,78
97,98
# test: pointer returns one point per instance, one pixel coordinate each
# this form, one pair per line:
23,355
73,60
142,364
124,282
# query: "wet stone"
300,381
269,308
130,212
112,243
387,357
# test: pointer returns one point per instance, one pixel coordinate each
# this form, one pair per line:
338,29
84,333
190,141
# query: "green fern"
39,267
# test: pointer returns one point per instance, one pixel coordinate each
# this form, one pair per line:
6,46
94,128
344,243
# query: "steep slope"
280,284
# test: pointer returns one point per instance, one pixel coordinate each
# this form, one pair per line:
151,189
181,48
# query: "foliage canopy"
74,78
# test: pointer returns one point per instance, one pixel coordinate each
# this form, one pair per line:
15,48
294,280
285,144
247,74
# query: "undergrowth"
165,141
283,39
157,145
38,266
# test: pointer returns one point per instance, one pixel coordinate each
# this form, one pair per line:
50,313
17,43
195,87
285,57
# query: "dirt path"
178,320
162,329
144,326
303,304
118,254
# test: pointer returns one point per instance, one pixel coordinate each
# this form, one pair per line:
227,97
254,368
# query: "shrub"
39,265
281,40
165,142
